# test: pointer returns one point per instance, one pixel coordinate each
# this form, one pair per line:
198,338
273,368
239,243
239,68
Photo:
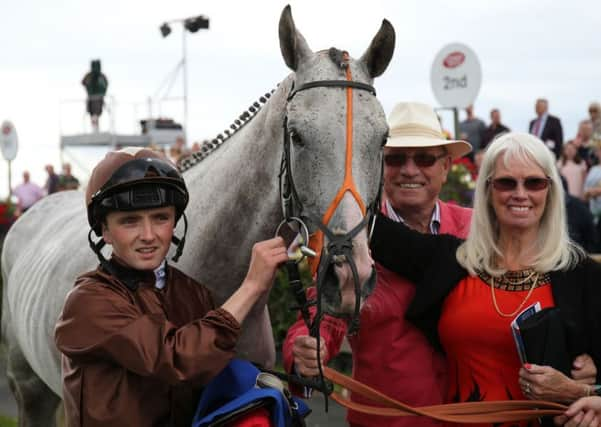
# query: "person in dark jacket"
495,128
139,338
517,254
581,226
96,85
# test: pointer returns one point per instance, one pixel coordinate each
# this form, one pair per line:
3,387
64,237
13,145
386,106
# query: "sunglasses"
421,160
531,183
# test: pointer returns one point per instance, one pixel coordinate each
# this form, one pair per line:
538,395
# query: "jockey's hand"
584,370
265,259
304,351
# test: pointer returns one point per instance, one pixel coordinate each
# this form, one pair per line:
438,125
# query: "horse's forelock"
337,57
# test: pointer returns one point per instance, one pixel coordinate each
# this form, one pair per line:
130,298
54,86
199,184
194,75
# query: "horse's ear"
292,44
379,53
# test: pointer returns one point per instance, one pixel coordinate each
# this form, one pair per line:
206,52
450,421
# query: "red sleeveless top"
483,362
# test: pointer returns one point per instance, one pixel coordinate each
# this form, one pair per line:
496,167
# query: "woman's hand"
546,383
584,370
585,412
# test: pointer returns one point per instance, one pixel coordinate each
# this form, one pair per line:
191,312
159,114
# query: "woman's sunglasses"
421,160
532,183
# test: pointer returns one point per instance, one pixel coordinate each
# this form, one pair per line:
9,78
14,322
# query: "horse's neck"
235,191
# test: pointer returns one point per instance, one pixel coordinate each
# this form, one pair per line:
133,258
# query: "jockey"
140,340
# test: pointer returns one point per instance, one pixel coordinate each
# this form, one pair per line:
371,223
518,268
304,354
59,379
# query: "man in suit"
547,127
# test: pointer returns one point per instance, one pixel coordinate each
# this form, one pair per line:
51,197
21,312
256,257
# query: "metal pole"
456,122
149,107
185,73
10,185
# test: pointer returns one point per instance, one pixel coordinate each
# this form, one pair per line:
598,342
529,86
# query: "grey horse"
234,202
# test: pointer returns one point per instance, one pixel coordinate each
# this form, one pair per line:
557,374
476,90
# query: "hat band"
415,130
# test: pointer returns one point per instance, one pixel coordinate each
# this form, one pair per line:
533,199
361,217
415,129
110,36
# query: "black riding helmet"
132,179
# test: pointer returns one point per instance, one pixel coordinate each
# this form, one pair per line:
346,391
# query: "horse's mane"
208,147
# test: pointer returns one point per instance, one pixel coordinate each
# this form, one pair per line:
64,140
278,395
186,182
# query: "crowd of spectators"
28,193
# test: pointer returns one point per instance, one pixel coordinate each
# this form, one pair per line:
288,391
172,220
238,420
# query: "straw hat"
414,125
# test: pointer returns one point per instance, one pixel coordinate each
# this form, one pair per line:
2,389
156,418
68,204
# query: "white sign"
456,76
8,141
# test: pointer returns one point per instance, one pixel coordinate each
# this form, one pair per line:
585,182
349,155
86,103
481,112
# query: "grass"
7,421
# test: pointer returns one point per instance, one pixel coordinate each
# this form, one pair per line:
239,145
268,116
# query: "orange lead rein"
466,412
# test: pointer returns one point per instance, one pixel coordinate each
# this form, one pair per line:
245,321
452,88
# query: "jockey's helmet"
133,179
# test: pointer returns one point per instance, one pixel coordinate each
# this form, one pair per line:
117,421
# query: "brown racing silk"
140,358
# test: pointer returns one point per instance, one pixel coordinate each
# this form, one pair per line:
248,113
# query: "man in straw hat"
390,354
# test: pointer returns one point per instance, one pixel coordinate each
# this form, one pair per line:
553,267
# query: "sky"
527,49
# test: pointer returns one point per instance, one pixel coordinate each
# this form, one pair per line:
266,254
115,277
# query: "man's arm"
410,253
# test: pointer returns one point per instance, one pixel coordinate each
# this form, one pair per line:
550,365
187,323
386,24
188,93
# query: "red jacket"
389,353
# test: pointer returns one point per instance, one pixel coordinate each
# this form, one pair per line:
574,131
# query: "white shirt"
159,274
434,220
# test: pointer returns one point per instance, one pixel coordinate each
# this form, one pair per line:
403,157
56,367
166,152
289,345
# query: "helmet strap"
128,280
180,242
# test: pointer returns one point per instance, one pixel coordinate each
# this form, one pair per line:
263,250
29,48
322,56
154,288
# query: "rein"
465,412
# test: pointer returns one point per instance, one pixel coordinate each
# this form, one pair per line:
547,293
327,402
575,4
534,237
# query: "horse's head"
336,129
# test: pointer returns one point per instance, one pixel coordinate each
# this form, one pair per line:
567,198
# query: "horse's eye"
296,138
384,140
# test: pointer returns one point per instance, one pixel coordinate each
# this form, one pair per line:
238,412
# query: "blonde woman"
517,253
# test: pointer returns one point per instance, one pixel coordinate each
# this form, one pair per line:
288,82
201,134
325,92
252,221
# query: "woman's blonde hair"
554,249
